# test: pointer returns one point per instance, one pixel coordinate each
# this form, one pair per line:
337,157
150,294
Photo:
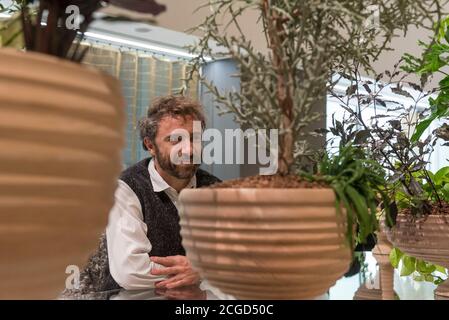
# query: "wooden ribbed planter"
265,243
61,135
427,240
363,293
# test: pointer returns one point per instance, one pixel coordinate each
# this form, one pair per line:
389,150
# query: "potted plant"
282,236
392,137
426,237
62,131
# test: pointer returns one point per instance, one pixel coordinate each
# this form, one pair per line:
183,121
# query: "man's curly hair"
169,106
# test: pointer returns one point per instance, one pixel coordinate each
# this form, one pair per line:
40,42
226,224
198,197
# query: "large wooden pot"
265,243
61,135
427,240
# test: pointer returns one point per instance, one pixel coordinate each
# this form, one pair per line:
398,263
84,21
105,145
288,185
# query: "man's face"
168,141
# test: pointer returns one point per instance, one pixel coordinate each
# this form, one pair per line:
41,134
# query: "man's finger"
167,271
179,283
165,261
163,284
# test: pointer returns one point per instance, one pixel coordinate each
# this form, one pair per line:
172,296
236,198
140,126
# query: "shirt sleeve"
128,244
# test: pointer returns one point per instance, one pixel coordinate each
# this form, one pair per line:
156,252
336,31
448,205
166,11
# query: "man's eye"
175,140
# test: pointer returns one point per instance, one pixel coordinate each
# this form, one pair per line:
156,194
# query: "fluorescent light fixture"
121,41
142,45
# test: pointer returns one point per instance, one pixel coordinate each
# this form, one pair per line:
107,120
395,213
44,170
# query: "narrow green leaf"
421,127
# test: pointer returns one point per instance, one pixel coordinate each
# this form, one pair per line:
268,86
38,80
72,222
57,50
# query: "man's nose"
187,148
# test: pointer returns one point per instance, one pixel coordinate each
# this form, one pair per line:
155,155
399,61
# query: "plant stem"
276,37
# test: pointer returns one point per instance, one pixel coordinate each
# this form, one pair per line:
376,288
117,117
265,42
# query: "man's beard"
181,171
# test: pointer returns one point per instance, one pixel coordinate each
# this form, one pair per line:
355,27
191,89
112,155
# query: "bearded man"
142,248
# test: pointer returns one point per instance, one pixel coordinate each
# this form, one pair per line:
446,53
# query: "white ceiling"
139,32
144,33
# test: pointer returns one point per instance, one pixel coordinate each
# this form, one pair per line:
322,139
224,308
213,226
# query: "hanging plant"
45,26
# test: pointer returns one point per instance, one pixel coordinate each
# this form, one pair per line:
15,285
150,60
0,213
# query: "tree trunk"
276,36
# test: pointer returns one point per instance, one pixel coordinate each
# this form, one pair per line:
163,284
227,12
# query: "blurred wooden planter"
61,135
363,293
265,243
381,253
426,240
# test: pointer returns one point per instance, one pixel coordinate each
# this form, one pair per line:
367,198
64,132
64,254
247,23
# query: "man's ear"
150,146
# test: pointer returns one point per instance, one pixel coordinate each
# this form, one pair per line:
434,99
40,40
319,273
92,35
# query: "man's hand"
179,272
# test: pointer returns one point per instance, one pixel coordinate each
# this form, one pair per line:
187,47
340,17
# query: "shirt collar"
159,184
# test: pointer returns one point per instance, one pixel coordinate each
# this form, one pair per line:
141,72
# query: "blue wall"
221,74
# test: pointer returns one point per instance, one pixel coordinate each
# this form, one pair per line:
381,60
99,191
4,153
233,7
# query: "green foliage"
309,41
434,59
358,184
441,183
435,188
386,136
418,269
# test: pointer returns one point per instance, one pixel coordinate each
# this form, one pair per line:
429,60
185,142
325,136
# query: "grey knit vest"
162,220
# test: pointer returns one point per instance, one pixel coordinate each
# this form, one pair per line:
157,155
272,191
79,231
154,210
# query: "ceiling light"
136,44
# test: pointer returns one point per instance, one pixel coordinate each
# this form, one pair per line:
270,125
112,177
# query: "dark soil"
436,209
273,181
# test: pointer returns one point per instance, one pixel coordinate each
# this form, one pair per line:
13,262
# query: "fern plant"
358,183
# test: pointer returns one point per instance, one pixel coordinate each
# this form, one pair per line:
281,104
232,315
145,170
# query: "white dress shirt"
128,245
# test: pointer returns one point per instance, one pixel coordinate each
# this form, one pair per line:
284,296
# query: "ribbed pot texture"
363,293
427,240
61,135
265,243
